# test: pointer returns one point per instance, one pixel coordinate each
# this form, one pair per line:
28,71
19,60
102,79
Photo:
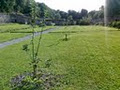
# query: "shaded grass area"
13,31
89,59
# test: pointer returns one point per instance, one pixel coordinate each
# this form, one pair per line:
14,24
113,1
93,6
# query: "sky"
76,5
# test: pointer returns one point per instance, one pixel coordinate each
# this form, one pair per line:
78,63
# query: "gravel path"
14,41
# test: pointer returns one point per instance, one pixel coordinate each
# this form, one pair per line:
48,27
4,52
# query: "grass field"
13,31
89,59
12,27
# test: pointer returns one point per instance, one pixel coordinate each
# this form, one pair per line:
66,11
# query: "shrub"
115,24
43,81
84,22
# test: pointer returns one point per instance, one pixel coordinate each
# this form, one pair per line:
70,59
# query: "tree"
84,13
97,14
70,20
73,14
63,14
84,21
6,5
19,5
44,9
57,16
28,7
91,14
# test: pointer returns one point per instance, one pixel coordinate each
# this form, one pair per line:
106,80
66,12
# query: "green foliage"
75,15
65,37
97,14
84,13
7,5
92,14
44,10
28,7
19,5
115,24
70,20
55,16
25,47
84,21
48,63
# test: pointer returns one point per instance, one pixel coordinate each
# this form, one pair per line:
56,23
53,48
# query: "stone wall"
13,18
5,18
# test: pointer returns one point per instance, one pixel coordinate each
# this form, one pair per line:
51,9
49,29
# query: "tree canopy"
26,6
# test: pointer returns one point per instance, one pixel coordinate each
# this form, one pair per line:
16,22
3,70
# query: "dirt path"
14,41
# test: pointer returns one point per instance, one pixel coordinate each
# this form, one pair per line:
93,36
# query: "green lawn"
90,58
12,27
13,31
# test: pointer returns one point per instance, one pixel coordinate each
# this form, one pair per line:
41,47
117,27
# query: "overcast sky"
76,5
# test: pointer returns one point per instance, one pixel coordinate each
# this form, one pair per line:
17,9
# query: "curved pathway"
14,41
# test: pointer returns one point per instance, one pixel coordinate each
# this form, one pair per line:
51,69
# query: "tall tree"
73,14
57,16
6,5
28,7
19,5
84,13
63,14
70,20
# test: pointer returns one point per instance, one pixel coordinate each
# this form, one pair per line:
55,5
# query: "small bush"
84,22
66,37
115,24
43,81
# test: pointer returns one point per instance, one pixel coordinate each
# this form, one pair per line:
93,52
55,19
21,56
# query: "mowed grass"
89,59
12,26
13,31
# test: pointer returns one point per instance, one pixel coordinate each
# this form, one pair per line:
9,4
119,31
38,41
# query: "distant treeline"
70,18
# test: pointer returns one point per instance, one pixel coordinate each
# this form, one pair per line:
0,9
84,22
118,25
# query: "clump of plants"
65,37
115,24
84,21
43,81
